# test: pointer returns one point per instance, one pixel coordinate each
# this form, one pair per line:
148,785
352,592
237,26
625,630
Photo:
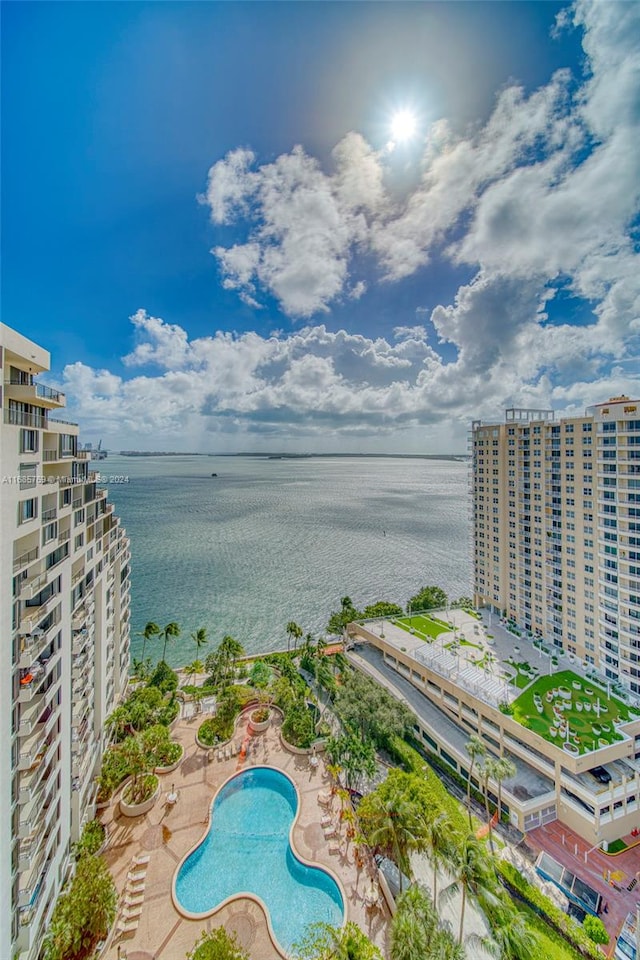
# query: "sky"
212,221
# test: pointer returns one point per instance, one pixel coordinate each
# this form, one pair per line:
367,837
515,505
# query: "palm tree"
414,926
200,640
408,936
170,632
475,748
437,835
394,827
230,649
503,769
512,939
472,876
294,632
487,772
194,669
151,630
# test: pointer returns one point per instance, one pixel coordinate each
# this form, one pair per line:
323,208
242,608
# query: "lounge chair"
326,820
324,798
219,755
135,876
129,913
141,859
133,899
330,832
126,926
134,887
227,755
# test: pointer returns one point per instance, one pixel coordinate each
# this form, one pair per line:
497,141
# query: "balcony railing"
25,559
20,419
47,393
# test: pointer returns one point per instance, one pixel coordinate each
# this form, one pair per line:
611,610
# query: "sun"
403,126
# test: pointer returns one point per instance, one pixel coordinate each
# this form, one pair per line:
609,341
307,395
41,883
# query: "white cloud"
317,384
540,201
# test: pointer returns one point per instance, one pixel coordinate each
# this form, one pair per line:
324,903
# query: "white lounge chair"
141,859
129,913
133,899
135,875
126,926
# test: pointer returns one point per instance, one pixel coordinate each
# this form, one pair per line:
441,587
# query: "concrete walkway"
168,832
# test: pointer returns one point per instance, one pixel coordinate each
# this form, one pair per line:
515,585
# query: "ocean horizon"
270,540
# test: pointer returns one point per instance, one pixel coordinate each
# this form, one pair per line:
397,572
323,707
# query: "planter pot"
172,766
602,742
139,809
259,726
571,748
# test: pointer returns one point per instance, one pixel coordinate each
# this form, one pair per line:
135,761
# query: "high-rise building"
556,507
64,608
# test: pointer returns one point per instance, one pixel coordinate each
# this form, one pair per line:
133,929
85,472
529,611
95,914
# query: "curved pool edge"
245,894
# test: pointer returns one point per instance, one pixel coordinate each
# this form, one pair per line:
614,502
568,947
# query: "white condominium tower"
64,607
557,530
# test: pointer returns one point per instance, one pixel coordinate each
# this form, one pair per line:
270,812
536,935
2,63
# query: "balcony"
34,645
25,559
32,615
31,780
32,586
34,421
37,393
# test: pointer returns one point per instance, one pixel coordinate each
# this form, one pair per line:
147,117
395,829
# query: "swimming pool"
247,850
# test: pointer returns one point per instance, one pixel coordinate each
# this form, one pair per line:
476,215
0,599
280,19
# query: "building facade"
64,607
556,514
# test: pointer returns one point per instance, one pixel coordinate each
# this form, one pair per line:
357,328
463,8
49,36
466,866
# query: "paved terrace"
525,785
167,833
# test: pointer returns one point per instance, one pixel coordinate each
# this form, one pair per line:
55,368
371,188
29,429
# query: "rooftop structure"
478,677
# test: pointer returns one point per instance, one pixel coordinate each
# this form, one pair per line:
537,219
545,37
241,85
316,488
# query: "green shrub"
595,929
562,922
215,730
91,839
164,678
217,945
298,727
141,789
83,913
162,750
113,772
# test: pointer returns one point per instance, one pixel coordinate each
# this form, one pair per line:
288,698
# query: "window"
28,473
28,441
27,510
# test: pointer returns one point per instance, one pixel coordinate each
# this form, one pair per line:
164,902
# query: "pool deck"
169,831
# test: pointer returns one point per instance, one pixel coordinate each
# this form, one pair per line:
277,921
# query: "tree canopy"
83,913
429,598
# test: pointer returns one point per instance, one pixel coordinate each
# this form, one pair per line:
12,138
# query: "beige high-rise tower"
64,608
557,530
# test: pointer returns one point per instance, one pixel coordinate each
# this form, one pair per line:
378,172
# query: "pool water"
247,850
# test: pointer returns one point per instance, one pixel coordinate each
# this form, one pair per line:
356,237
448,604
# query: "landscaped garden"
572,712
425,627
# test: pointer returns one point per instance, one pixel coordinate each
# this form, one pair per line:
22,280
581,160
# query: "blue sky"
206,220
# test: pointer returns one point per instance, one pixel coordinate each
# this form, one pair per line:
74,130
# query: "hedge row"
562,922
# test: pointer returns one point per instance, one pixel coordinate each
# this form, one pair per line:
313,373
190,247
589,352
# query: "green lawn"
424,627
581,722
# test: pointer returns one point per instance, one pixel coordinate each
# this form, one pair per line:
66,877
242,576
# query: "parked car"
601,774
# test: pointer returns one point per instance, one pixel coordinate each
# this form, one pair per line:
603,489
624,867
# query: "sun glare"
403,126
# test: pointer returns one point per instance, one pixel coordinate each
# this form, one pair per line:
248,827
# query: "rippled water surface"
268,541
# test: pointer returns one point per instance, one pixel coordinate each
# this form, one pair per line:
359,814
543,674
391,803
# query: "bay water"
272,540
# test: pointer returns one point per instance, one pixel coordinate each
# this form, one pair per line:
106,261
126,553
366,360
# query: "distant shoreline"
298,456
